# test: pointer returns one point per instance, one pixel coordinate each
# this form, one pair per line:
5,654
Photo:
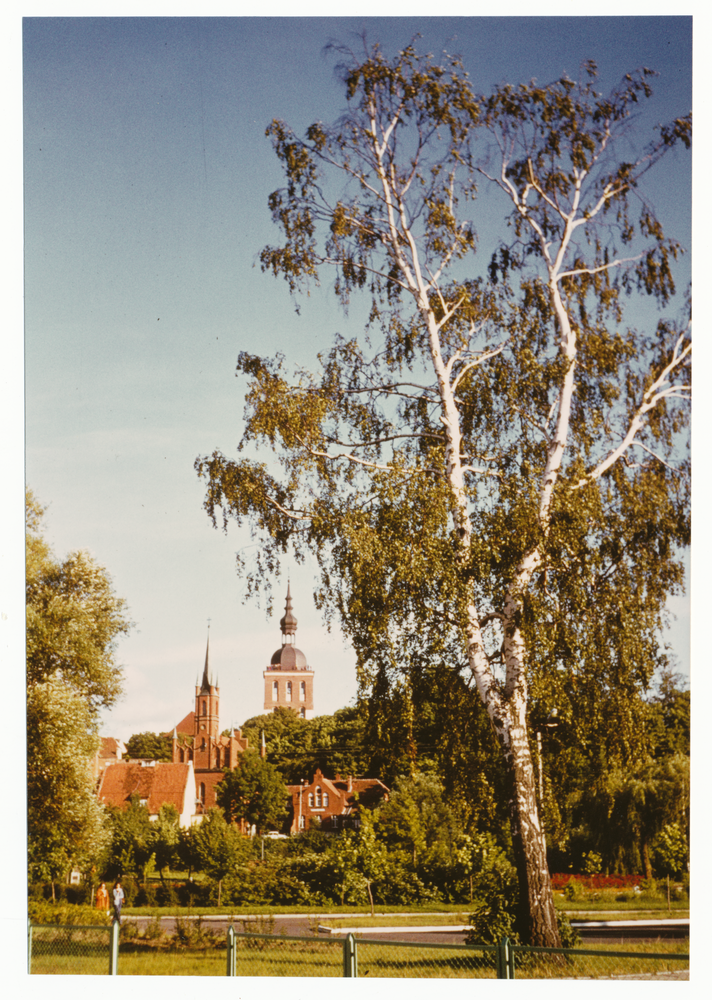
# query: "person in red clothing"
102,898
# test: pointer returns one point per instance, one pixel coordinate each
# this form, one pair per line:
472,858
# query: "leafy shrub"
131,889
497,891
574,890
258,924
670,851
570,937
191,934
44,912
145,896
167,894
651,891
154,930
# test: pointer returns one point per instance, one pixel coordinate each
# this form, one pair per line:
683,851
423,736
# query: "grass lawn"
282,957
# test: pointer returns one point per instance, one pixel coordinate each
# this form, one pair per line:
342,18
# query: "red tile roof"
187,725
110,747
158,783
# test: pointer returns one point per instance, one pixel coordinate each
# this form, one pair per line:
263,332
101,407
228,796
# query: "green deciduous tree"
624,811
149,746
73,621
297,747
66,823
253,792
219,847
165,836
416,815
493,478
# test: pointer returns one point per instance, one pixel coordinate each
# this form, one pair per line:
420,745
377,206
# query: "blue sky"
146,178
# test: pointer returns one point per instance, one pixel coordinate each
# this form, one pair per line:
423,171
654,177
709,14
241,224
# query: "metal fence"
56,949
75,950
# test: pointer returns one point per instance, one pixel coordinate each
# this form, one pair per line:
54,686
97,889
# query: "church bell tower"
289,681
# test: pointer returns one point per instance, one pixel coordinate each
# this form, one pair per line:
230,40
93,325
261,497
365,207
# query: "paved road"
298,925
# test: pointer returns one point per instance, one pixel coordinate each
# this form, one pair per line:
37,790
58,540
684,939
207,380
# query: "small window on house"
289,690
275,690
143,802
311,800
302,713
302,691
204,711
201,792
326,799
202,745
318,796
217,757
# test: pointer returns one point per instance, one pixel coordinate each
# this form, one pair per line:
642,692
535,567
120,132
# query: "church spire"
206,679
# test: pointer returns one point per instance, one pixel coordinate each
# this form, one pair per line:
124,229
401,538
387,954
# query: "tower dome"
289,680
288,657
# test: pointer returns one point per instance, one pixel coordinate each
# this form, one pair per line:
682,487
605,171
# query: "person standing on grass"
102,898
118,900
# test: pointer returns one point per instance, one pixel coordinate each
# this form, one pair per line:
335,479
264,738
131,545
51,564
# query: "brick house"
110,750
154,783
333,804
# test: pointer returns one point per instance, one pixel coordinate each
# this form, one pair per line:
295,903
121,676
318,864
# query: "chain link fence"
61,949
75,950
664,961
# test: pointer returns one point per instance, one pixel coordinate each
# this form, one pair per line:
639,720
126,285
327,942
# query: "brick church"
197,739
289,683
200,754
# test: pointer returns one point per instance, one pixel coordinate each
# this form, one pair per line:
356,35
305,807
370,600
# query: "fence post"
114,949
231,955
505,960
350,957
509,958
29,946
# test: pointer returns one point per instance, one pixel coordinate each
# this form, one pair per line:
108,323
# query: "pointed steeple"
206,680
288,623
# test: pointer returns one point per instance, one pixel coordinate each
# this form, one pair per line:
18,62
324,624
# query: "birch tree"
494,476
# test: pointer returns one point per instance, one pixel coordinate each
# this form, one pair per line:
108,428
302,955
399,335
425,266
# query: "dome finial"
288,623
